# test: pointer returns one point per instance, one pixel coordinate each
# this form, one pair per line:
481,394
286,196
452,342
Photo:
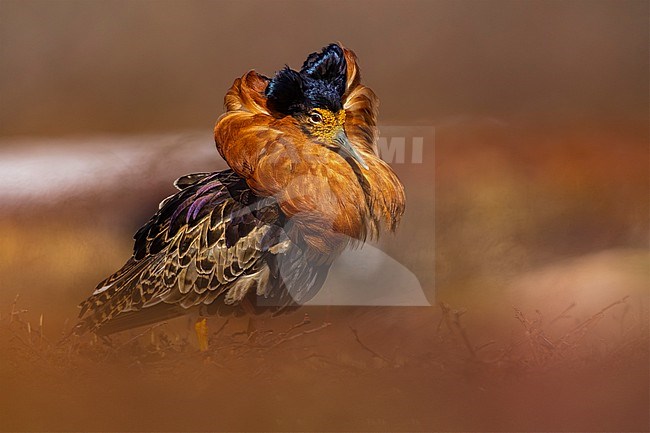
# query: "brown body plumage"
300,191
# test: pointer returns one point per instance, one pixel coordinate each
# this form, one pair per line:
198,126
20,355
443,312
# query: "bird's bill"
344,144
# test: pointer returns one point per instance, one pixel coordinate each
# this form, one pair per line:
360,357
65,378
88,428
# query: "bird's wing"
212,239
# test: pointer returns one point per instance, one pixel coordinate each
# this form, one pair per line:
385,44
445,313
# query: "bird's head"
314,97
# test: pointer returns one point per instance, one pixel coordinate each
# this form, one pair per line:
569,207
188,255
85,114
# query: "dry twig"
374,353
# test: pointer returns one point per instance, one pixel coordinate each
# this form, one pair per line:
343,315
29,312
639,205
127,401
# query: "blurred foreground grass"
334,369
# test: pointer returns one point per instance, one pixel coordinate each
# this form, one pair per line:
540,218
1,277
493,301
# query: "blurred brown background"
534,193
131,66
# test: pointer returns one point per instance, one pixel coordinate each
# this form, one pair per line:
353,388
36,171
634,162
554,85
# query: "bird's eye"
315,117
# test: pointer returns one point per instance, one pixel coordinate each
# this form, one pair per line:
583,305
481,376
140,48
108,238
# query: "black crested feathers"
285,93
320,83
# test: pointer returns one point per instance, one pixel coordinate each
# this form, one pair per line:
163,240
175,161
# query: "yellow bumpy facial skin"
330,126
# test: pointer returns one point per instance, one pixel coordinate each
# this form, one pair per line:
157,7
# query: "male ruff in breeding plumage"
305,182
